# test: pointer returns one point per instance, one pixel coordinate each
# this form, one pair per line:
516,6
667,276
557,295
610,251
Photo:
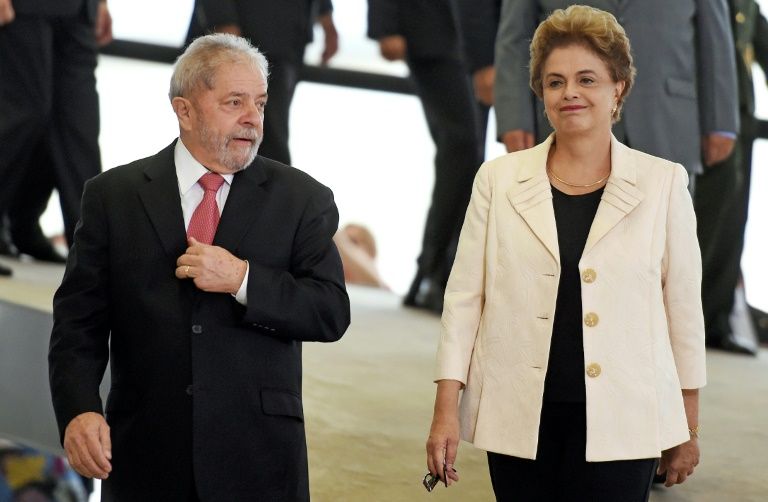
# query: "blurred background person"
684,106
722,195
426,35
49,111
21,233
281,30
357,248
479,23
573,312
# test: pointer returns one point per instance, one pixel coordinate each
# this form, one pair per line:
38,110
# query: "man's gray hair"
198,64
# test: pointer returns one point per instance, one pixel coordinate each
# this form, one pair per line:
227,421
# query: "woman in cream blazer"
639,277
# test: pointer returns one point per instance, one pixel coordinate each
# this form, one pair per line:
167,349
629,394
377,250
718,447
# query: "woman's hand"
679,462
443,441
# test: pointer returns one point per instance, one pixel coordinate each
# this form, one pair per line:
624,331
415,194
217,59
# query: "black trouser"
560,473
283,77
721,202
448,104
48,102
30,202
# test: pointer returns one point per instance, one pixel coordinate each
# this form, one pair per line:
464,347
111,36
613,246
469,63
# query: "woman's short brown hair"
593,28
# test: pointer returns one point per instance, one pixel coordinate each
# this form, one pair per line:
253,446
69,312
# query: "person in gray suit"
683,108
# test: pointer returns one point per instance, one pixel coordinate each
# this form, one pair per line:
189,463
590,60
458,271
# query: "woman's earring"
613,111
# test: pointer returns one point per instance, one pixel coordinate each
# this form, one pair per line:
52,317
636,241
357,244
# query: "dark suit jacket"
55,7
479,23
430,27
280,29
200,383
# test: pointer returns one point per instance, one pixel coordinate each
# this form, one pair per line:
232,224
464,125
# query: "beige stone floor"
368,403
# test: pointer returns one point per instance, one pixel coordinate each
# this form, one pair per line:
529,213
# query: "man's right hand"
517,140
7,14
393,47
88,446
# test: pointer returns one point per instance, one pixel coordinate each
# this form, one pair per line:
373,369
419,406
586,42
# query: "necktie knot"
211,182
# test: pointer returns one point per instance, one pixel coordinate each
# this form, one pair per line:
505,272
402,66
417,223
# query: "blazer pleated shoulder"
643,284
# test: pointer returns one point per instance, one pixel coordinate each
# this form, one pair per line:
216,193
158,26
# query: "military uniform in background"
722,193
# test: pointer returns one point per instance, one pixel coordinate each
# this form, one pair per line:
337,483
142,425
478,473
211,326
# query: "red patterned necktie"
205,219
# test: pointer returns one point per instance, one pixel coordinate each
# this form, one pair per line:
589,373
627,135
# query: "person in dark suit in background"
20,231
722,193
49,109
281,30
197,273
425,33
479,23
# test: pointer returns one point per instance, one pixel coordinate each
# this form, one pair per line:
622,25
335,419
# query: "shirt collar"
189,170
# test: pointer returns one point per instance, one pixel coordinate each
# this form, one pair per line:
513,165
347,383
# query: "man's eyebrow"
240,94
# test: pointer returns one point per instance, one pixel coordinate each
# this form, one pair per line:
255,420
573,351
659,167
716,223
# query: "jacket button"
591,319
589,276
594,370
189,390
197,329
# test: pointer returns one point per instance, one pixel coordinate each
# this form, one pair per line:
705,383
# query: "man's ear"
184,110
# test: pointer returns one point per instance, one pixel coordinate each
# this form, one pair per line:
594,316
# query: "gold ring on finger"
186,271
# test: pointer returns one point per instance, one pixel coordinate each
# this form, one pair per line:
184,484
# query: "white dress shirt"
188,172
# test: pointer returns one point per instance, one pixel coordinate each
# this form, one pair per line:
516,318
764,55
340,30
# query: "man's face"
227,122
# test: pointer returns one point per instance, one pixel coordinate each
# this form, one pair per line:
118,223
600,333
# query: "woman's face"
579,93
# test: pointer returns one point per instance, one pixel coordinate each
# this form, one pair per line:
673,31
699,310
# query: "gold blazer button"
589,275
594,370
591,319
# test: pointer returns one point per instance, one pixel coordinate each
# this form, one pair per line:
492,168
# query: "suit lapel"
160,196
532,197
620,196
244,203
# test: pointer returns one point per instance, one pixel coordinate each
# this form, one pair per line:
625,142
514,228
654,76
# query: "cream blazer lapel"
620,196
532,197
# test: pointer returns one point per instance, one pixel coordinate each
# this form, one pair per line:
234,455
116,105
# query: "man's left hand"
716,148
7,14
482,81
331,46
679,462
212,268
103,26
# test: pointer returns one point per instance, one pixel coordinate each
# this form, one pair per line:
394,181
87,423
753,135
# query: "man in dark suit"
479,23
281,30
49,109
722,193
425,33
202,325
